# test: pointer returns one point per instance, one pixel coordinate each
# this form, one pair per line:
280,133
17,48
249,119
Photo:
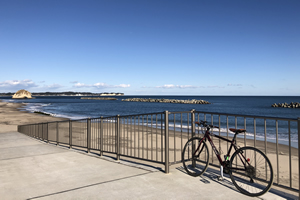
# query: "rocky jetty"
99,98
22,94
42,113
193,101
286,105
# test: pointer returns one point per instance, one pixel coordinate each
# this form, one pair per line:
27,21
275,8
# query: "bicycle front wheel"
251,171
195,157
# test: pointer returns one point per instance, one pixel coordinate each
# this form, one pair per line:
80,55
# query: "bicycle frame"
233,144
241,167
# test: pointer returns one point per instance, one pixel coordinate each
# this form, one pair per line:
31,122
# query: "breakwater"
99,98
286,105
193,101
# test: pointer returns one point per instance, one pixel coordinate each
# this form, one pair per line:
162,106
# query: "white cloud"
53,86
81,85
17,84
235,85
170,86
101,85
123,85
212,86
46,88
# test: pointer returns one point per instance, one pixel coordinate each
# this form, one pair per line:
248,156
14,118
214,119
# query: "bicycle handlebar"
203,123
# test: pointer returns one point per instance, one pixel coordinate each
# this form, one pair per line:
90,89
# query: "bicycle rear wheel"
251,171
195,157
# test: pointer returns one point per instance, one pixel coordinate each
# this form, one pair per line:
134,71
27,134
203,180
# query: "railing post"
47,126
101,136
298,123
70,134
193,134
167,167
118,137
193,122
57,134
45,132
37,131
42,136
88,135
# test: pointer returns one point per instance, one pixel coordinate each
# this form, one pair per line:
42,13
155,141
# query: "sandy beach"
11,117
147,141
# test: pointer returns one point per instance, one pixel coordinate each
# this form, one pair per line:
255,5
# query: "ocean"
75,108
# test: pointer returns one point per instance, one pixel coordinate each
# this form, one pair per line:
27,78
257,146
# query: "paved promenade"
31,169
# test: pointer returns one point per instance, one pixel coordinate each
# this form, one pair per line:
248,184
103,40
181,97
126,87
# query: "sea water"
77,108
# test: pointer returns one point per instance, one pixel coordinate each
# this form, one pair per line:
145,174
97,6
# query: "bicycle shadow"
211,175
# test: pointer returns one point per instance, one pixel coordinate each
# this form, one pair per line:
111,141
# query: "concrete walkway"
31,169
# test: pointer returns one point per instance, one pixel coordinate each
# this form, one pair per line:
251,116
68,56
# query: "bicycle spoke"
249,173
195,157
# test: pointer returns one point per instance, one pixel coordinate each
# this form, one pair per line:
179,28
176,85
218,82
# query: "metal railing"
160,137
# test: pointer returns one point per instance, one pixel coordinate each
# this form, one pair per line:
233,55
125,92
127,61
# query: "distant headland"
69,93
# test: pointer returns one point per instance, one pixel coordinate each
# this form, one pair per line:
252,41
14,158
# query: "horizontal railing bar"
37,130
121,116
249,116
74,145
64,143
78,120
63,121
178,112
174,163
94,149
154,161
286,187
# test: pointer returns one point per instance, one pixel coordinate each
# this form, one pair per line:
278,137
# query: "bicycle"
249,168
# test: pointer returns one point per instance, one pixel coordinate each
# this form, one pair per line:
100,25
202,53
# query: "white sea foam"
224,131
69,116
42,107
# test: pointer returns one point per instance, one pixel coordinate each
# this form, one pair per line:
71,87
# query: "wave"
223,132
72,117
48,108
42,107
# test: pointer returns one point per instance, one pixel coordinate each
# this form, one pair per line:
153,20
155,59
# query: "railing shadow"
211,175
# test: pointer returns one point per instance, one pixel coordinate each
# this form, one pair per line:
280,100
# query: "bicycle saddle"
237,130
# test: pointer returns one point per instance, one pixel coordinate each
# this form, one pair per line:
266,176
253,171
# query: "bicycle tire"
257,176
195,165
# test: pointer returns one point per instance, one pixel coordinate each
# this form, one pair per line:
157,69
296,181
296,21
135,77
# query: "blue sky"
151,47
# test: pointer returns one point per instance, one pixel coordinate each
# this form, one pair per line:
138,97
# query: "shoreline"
51,118
11,116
